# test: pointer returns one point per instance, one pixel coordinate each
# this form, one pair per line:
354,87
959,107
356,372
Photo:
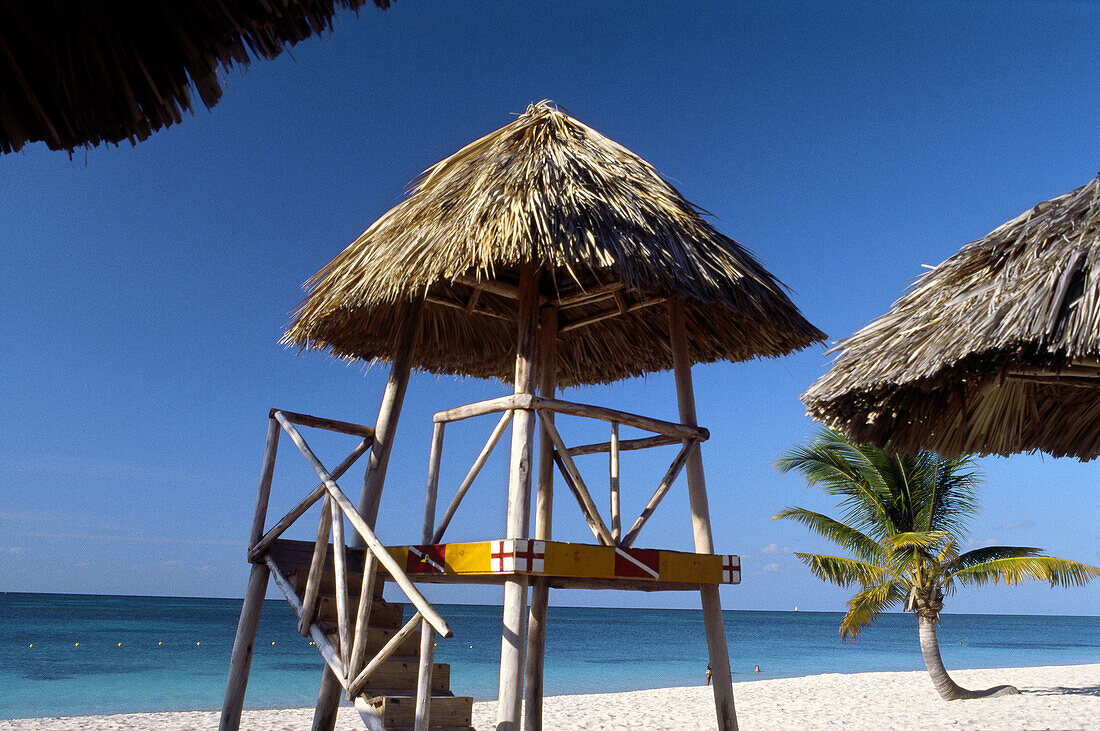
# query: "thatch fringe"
80,73
989,352
548,191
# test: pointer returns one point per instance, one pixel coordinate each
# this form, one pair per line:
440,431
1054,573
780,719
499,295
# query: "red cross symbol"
518,554
731,569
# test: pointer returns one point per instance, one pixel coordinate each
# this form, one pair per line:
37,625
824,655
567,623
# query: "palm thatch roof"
612,241
79,73
995,351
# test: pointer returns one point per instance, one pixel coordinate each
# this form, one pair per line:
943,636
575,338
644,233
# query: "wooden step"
383,615
447,712
299,577
398,678
377,637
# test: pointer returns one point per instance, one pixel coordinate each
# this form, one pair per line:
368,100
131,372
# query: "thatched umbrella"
546,255
76,74
994,351
610,236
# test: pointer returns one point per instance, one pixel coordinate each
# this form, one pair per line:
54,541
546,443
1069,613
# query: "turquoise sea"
174,652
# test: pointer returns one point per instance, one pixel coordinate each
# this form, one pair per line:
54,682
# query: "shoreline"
1052,697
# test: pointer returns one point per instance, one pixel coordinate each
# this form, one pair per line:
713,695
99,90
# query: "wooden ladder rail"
347,658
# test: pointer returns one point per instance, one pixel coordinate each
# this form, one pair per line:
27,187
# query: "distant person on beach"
756,668
708,673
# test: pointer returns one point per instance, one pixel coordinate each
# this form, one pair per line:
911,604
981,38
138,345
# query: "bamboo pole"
513,635
470,476
700,519
544,506
244,641
613,469
316,568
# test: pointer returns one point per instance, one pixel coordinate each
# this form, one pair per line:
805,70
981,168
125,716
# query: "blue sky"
145,289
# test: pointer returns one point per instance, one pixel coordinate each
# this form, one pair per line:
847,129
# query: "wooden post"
328,698
243,643
613,469
388,413
513,634
544,505
700,521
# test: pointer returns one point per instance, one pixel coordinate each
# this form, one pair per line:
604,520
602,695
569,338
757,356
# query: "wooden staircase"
388,700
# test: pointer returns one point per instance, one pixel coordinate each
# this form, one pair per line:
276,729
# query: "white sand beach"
1055,697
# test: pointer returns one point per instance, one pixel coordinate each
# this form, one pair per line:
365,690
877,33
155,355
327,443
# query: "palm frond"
867,604
862,546
844,571
1013,570
924,540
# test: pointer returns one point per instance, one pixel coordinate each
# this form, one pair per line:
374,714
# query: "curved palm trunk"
948,689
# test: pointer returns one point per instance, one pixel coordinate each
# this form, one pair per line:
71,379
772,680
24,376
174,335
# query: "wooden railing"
666,432
348,657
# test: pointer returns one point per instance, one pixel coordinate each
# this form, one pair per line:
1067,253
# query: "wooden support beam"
586,295
362,616
316,422
658,426
385,428
243,643
360,524
328,652
256,553
721,678
584,498
625,445
431,497
544,508
480,408
514,624
271,447
316,567
601,316
356,685
613,482
464,307
340,571
422,717
494,437
662,489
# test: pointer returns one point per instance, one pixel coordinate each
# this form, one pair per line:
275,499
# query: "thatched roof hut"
76,74
995,351
612,239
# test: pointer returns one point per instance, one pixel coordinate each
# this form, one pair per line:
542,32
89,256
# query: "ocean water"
174,652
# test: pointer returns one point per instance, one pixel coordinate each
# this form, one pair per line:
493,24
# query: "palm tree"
905,516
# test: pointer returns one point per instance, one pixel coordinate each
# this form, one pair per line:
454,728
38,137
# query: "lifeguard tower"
543,255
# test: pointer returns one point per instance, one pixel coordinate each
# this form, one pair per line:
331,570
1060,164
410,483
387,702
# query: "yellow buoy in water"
120,644
31,645
76,644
